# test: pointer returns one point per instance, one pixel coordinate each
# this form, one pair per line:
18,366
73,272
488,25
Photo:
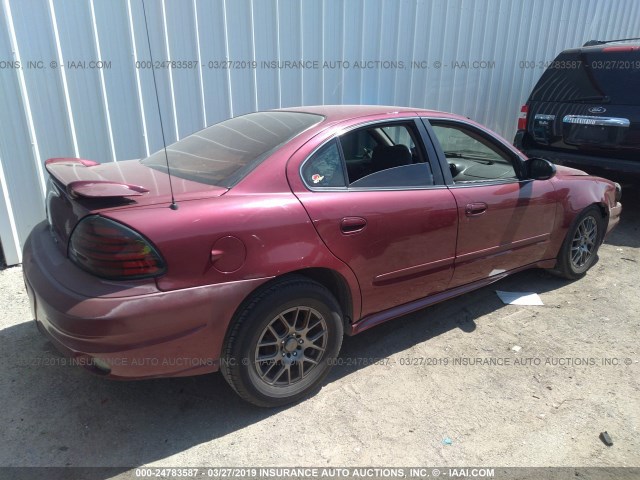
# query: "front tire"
283,343
579,250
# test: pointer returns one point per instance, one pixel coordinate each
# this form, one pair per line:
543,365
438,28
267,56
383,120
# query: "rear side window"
378,156
385,156
591,76
324,168
225,152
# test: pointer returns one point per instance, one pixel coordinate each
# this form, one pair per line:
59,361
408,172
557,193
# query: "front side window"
471,156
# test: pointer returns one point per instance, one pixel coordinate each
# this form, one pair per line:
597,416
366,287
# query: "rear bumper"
124,335
614,164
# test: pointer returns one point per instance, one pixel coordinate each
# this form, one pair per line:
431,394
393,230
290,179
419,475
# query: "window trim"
428,152
517,161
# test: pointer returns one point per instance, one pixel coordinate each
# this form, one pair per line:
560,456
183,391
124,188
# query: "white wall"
111,114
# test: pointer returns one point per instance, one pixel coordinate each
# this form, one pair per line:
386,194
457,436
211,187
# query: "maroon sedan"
278,232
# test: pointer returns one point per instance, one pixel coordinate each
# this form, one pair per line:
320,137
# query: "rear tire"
579,250
283,343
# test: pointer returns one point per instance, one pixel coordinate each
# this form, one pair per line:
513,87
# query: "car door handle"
350,225
477,208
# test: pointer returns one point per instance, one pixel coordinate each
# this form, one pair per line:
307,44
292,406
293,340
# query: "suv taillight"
621,48
522,118
111,250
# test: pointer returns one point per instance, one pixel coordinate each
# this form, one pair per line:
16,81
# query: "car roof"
604,47
337,113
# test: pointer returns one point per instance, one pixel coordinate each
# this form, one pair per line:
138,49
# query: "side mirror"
540,169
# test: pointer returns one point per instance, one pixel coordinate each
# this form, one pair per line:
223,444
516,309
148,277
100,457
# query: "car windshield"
225,152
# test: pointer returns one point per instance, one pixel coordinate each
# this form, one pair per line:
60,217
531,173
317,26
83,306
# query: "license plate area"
597,131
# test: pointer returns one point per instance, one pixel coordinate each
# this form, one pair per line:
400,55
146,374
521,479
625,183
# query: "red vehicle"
278,232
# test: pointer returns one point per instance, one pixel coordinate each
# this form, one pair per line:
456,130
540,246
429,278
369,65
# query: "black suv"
585,109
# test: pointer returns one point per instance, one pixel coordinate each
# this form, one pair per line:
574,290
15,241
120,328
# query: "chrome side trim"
598,121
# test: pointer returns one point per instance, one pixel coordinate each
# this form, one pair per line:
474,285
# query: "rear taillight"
111,250
522,118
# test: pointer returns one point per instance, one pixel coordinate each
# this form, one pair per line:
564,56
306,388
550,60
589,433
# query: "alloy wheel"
583,244
291,346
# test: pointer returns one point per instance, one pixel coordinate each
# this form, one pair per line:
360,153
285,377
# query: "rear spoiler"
591,43
76,176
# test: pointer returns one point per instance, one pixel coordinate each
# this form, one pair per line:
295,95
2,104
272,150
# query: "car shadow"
57,414
421,326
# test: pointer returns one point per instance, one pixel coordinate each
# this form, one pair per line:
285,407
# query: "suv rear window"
225,152
591,76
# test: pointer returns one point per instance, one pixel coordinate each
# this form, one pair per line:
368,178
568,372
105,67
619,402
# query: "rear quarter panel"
273,233
261,236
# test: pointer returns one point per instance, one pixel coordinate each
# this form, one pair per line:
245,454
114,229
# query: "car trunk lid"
79,187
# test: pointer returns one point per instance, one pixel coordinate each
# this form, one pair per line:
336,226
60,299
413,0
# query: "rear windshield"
592,77
225,152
